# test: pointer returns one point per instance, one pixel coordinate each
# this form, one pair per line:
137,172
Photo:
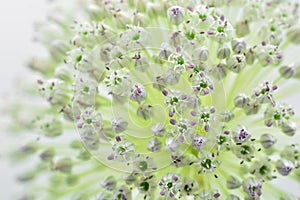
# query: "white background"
16,48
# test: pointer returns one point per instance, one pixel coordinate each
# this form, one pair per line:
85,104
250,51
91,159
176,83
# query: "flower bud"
64,73
223,52
51,127
287,71
138,93
294,34
145,111
201,54
63,165
158,129
252,108
58,50
226,116
250,56
242,28
159,82
154,145
193,101
109,183
219,71
141,63
47,155
176,15
291,153
172,77
233,183
171,145
267,140
139,19
119,125
241,100
289,128
238,45
122,19
284,167
236,63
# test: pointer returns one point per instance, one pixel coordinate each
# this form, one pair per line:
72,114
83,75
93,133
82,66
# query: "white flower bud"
154,145
176,15
63,165
138,93
226,116
141,63
51,126
201,54
64,73
47,155
239,45
233,183
122,19
109,183
172,77
139,19
251,56
119,125
158,129
287,71
289,128
284,167
219,71
236,63
193,101
159,82
223,52
58,50
252,108
242,28
267,140
241,100
145,111
171,145
294,34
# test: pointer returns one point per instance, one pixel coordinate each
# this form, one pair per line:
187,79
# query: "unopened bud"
236,63
145,111
158,129
287,71
267,140
289,128
284,167
241,100
119,124
238,45
233,183
223,52
154,145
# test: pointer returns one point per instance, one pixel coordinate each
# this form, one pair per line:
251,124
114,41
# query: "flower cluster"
171,99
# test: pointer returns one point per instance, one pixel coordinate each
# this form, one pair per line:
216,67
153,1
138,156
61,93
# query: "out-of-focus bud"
223,52
176,15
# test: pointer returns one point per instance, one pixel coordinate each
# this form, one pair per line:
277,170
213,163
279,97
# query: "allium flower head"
166,100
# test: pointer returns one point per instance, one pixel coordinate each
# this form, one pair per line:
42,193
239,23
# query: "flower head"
169,101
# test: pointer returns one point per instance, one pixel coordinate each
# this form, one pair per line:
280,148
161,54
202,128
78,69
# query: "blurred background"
17,46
